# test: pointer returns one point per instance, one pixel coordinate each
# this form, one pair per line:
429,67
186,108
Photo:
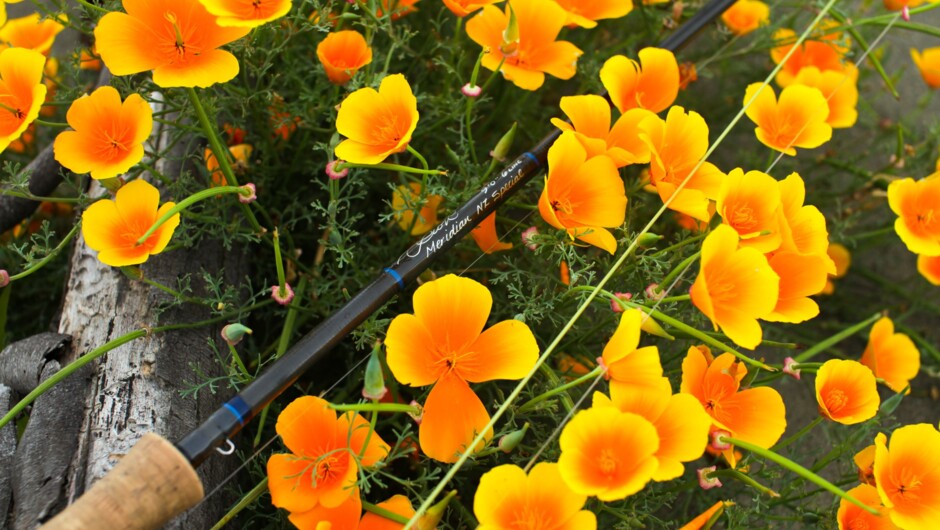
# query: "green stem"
93,7
243,503
835,339
69,369
677,298
376,407
798,435
679,245
871,233
238,360
682,326
529,405
221,153
424,162
172,292
278,262
390,167
45,123
187,202
852,30
741,477
388,514
792,466
679,269
49,257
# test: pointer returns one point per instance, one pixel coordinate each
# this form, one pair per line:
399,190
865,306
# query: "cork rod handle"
153,483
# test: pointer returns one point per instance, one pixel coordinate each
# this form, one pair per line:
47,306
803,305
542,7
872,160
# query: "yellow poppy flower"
797,119
893,357
586,13
745,16
917,205
928,63
846,392
652,83
377,124
246,13
21,92
907,475
32,32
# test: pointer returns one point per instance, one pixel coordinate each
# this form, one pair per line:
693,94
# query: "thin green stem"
680,244
278,263
679,269
189,201
376,407
590,376
93,7
808,427
424,162
852,30
221,153
55,124
741,477
173,292
388,514
835,339
792,466
390,167
238,360
243,503
50,256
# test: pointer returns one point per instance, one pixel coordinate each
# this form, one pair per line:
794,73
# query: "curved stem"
799,434
186,203
790,465
391,167
529,405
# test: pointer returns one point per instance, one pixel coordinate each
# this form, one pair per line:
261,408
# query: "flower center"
908,486
607,462
743,219
529,518
564,205
330,468
835,400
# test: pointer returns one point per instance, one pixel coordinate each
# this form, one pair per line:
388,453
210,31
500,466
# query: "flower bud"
133,272
471,90
333,173
234,333
717,440
648,239
4,278
509,442
615,305
791,368
651,326
653,292
432,517
417,417
374,384
504,144
282,297
249,194
528,237
510,45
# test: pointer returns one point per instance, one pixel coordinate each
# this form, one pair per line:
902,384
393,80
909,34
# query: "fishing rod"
156,480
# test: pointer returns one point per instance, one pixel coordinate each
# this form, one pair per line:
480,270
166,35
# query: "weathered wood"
22,363
7,450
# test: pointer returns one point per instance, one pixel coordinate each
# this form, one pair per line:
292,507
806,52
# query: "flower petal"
453,416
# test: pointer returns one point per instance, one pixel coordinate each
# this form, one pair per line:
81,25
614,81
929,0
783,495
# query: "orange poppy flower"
583,196
846,392
928,63
681,423
564,274
108,136
377,124
701,519
798,119
652,83
840,92
400,505
342,54
745,16
113,227
178,39
851,517
917,204
801,276
825,53
508,498
676,147
241,153
26,140
21,92
398,8
586,13
462,8
590,122
803,227
317,481
908,476
636,369
842,259
32,32
533,51
3,9
484,235
750,203
897,5
246,13
755,415
735,287
892,357
929,268
88,59
404,209
443,344
865,462
608,453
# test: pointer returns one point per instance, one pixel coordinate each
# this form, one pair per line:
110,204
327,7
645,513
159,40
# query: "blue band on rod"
532,157
394,274
238,408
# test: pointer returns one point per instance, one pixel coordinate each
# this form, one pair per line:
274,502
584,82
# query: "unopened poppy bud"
282,296
374,384
509,442
906,14
433,516
648,239
234,333
791,368
419,415
504,144
706,480
651,326
133,272
248,194
471,91
717,440
653,292
615,305
112,184
333,173
510,45
528,236
4,278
